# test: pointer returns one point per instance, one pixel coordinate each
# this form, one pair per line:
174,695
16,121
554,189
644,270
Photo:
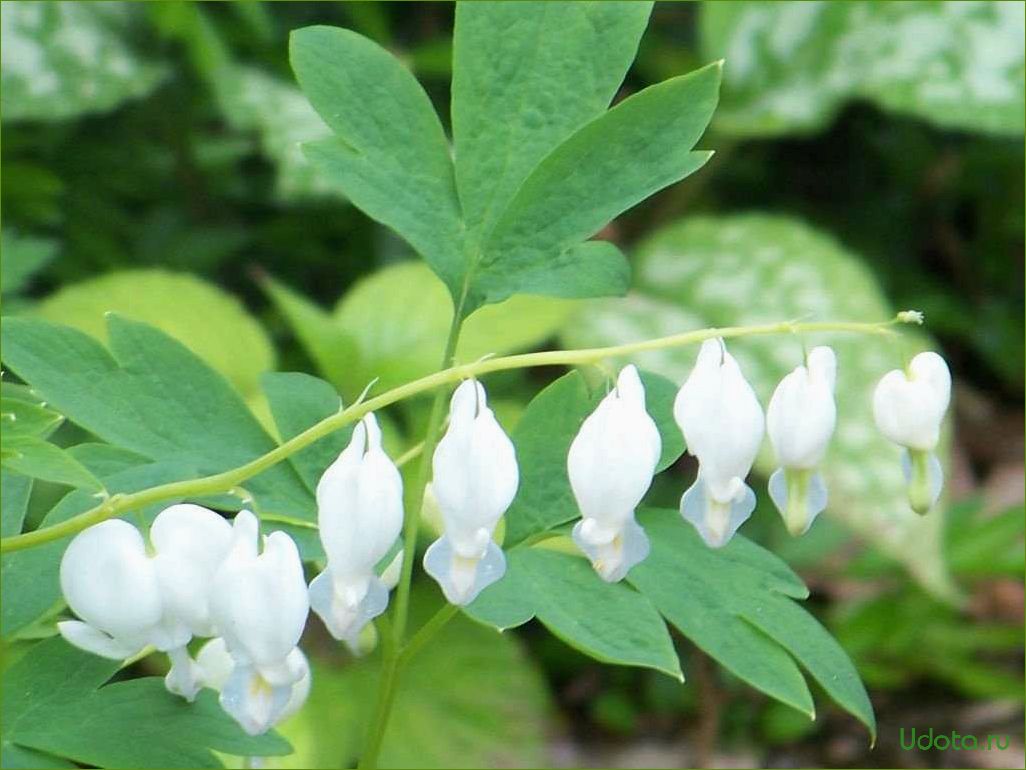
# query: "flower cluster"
614,456
197,576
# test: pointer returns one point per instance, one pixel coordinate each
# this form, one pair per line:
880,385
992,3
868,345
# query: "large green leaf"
617,160
211,323
566,167
608,621
525,77
38,458
471,698
393,325
151,395
390,155
298,401
543,436
15,490
792,65
55,701
753,269
64,59
737,606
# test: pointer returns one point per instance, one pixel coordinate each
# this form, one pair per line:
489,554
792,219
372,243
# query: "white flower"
908,408
130,599
216,665
360,514
800,421
722,423
259,605
474,480
610,465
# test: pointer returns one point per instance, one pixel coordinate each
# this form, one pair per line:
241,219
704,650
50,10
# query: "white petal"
252,701
214,664
612,557
801,415
614,455
360,505
909,412
716,521
108,580
85,637
720,417
392,573
347,604
460,578
799,519
260,603
475,474
184,677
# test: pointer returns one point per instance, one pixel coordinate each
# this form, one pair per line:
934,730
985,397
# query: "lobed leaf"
55,701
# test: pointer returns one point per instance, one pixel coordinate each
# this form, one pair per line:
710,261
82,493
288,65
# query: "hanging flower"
129,598
800,421
215,666
908,407
722,423
475,479
259,605
610,465
360,514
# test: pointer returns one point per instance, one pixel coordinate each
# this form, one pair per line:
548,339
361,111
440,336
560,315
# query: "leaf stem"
221,482
390,665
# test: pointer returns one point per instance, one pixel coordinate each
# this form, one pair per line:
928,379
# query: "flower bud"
259,605
474,480
360,514
216,667
109,580
722,423
908,407
800,421
610,466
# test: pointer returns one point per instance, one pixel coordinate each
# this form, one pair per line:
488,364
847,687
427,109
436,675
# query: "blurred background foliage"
869,158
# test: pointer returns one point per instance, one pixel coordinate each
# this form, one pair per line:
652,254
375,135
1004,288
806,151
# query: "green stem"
426,632
222,482
414,503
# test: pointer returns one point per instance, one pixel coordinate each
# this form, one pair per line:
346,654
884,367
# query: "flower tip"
915,317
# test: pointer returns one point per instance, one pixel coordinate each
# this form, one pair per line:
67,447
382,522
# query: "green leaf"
211,323
722,271
23,256
525,77
150,395
56,702
15,490
791,66
543,436
390,155
69,59
24,418
608,621
738,608
470,698
40,459
614,162
298,401
14,756
392,325
253,100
